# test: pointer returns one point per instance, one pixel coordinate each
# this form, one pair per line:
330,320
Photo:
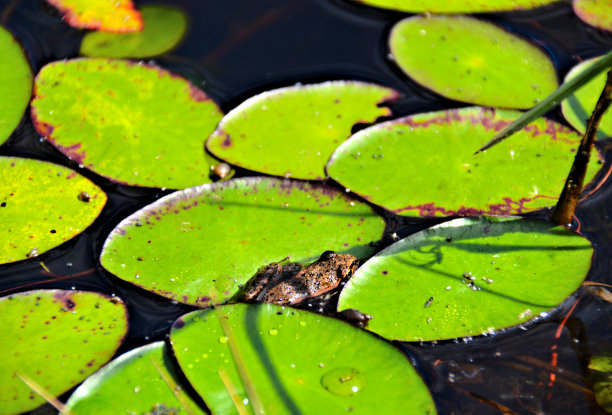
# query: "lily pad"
112,116
425,164
600,375
42,205
597,13
471,60
55,338
141,381
164,27
106,15
200,244
15,84
468,277
578,107
292,131
455,6
293,361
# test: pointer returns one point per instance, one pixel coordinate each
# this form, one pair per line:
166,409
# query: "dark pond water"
238,48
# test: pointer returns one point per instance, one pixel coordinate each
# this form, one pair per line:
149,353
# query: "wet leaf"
56,338
292,131
15,84
578,107
600,374
454,6
597,13
42,205
424,164
296,362
468,277
133,383
199,244
112,116
471,60
106,15
164,28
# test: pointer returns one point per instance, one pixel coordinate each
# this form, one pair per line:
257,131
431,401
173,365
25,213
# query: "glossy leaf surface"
112,116
454,6
133,383
292,131
164,28
295,362
106,15
56,338
15,84
597,13
199,244
461,58
425,164
468,277
42,205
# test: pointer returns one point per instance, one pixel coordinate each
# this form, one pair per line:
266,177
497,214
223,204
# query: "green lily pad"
112,116
200,244
597,13
425,164
109,16
295,362
600,374
164,28
42,205
578,107
470,60
55,338
455,6
141,381
292,131
15,84
468,277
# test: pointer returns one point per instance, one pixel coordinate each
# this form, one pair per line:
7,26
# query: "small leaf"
56,338
292,131
468,277
42,205
455,6
164,28
460,57
106,15
298,362
597,13
600,374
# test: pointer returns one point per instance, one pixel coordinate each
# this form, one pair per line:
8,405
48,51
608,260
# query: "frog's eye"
327,255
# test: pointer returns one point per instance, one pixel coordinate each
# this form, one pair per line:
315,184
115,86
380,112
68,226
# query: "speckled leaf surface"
296,361
56,338
292,131
15,84
164,28
455,6
578,107
425,164
597,13
132,383
470,60
112,116
42,205
106,15
468,277
199,244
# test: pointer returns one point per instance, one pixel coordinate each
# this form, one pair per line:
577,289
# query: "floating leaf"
600,374
199,244
56,338
470,60
293,131
468,277
106,15
112,116
164,28
424,164
455,6
140,381
42,205
578,108
15,84
295,361
597,13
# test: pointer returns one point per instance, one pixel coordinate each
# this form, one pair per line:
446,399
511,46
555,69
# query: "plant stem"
564,210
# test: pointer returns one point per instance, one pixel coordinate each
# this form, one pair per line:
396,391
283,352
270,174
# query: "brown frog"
293,283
